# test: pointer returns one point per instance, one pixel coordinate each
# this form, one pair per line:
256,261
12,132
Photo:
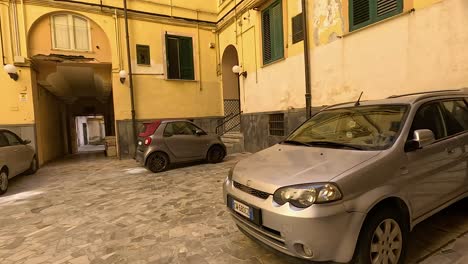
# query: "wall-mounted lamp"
238,70
12,71
123,76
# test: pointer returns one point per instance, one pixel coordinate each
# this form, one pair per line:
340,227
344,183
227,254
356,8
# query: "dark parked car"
16,157
174,141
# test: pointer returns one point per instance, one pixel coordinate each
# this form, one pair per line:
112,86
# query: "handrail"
227,120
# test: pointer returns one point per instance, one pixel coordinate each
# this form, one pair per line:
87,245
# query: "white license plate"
242,209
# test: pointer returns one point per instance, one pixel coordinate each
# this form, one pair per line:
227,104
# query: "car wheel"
33,167
3,182
157,162
216,154
383,239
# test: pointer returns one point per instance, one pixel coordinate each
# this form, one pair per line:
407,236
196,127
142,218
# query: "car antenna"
358,102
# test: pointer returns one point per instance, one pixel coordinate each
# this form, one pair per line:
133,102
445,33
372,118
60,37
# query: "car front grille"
251,191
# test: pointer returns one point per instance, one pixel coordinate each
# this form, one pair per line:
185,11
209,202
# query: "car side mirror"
421,139
26,142
199,132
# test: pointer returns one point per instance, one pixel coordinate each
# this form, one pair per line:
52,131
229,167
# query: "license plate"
242,209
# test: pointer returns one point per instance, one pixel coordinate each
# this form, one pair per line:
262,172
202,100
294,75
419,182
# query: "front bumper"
329,231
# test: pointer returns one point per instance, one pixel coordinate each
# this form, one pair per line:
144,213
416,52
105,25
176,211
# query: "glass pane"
366,127
12,139
61,32
429,117
169,131
173,68
3,141
182,128
456,116
81,33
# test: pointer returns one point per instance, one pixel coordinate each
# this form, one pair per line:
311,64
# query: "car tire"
216,154
157,162
33,166
384,235
3,182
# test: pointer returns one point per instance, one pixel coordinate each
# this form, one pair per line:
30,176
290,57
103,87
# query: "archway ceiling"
71,80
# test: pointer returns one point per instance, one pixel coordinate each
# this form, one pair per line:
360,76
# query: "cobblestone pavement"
95,210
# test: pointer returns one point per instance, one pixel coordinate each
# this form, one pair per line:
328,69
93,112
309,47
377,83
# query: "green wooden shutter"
366,12
387,8
360,13
272,30
277,51
266,36
187,71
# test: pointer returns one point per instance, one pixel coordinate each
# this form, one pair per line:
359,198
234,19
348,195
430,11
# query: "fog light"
304,250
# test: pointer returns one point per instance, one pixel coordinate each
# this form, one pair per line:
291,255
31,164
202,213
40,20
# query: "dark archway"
231,89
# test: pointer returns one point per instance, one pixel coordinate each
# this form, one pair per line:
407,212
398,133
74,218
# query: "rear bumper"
140,157
330,232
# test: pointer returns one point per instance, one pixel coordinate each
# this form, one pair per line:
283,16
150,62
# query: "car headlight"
305,195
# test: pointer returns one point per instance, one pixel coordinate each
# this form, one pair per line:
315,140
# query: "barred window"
276,124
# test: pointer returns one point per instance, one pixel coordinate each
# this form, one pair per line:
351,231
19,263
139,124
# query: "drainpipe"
130,77
1,43
308,92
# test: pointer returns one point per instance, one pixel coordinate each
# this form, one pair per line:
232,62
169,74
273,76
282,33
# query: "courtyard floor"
89,209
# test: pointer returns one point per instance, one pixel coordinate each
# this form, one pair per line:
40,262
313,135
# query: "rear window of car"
148,129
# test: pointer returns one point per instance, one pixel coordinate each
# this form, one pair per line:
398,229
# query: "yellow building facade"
380,48
69,56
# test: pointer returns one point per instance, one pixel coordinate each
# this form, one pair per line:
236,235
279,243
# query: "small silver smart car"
174,141
351,182
16,157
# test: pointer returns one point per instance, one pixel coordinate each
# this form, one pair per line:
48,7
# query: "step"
231,140
233,135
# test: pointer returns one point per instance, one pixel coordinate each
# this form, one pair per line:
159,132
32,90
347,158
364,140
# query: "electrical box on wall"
19,59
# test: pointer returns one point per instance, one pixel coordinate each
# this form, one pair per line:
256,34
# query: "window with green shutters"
365,12
179,52
272,31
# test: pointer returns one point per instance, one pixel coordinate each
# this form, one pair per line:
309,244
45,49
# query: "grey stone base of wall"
27,131
255,127
127,144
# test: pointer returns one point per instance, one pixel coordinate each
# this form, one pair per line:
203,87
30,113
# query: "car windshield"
364,128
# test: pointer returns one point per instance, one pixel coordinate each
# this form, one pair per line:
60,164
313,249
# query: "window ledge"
273,62
181,80
75,51
378,23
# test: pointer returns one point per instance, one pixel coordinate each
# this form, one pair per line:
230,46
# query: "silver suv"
351,182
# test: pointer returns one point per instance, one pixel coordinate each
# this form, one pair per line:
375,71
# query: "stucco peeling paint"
328,21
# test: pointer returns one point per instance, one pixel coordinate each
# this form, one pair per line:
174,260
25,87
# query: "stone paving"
88,209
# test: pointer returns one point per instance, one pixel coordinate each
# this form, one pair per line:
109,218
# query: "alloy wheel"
387,243
157,162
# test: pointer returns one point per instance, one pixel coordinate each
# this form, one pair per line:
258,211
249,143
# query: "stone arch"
39,39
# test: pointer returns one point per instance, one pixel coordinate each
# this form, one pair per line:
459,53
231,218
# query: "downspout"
308,91
24,25
1,43
15,28
118,38
130,78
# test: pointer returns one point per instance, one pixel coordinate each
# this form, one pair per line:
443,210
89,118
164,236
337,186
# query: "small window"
297,29
13,140
456,117
143,55
272,31
180,129
179,51
365,12
276,123
429,117
3,140
70,32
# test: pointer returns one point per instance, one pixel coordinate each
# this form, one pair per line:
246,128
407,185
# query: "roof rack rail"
427,92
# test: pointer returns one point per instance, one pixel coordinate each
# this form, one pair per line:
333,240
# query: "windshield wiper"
294,142
333,144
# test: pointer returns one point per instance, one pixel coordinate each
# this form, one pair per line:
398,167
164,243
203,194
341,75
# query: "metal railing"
228,125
